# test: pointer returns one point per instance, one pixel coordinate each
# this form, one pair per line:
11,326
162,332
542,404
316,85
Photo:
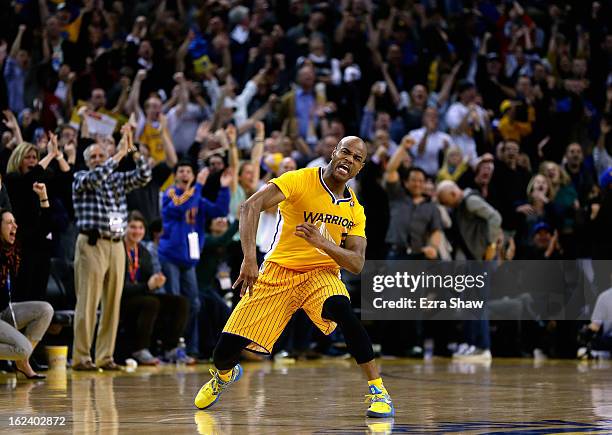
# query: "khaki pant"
99,273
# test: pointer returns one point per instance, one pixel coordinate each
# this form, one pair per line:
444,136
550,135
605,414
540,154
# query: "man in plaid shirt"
99,264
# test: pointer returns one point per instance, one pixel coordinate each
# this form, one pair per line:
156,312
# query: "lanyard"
8,285
133,265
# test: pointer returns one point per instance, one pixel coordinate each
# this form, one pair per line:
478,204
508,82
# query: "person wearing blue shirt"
184,214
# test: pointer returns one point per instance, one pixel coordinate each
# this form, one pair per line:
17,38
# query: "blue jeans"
213,317
181,280
476,332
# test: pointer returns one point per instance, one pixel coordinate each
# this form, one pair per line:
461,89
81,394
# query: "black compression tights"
227,351
336,308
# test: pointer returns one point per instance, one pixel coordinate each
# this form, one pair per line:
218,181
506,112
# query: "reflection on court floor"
509,396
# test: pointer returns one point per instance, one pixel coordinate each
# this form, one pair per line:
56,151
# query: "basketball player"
320,228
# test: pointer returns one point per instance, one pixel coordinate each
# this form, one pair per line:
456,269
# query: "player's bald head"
348,158
353,143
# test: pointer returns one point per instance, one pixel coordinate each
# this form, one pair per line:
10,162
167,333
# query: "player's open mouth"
12,235
342,169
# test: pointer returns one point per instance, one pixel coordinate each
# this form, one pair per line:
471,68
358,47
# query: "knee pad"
336,307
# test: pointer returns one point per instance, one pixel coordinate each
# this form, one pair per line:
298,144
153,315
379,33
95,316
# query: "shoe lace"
378,397
217,384
381,397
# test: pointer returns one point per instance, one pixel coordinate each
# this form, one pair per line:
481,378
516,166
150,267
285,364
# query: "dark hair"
156,226
215,155
404,174
414,169
184,162
464,85
135,215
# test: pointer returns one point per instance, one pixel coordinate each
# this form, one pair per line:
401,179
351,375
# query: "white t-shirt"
428,161
266,230
456,112
239,104
183,127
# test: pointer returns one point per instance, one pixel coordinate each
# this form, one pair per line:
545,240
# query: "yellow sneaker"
211,391
380,403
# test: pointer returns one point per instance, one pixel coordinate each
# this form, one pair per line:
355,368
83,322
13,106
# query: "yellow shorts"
277,294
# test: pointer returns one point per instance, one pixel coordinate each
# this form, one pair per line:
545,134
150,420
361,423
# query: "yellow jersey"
308,199
152,137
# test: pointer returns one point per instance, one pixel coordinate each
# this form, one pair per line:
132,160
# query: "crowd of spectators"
176,111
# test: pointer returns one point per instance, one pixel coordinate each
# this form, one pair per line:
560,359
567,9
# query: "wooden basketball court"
507,397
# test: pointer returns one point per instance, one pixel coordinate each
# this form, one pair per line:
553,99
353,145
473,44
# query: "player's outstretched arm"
269,196
351,257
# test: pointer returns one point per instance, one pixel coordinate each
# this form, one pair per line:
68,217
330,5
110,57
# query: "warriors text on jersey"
308,199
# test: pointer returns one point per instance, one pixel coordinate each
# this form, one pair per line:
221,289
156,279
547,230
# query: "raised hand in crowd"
140,75
125,144
52,145
202,176
232,134
407,142
260,131
10,122
203,131
139,29
55,152
226,178
41,190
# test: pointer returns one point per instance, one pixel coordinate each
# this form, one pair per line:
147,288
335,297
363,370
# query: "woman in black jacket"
31,317
23,170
